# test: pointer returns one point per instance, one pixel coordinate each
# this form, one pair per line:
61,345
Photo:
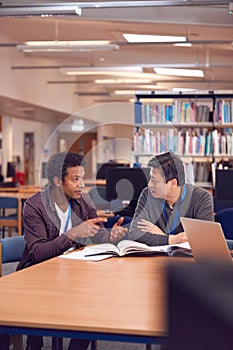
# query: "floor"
102,345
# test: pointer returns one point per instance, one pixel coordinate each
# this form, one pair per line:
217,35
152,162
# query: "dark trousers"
36,343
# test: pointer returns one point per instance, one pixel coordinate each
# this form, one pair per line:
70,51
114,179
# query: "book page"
104,248
125,247
79,255
128,247
171,247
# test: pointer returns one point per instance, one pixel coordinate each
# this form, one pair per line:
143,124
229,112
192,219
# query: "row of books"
198,142
224,111
179,112
202,172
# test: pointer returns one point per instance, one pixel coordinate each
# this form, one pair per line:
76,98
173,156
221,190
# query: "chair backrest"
112,220
8,202
225,218
11,249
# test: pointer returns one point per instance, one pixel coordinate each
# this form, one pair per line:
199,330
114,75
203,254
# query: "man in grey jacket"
167,198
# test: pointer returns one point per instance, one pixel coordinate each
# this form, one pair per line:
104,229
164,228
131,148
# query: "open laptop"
207,241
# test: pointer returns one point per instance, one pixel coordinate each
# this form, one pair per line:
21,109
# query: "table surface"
115,296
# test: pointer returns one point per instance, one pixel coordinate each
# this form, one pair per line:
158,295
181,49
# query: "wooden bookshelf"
198,127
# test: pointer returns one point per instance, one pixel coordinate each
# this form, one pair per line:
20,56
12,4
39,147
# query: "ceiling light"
101,70
67,42
183,44
153,87
89,93
142,38
182,89
124,92
122,81
180,72
77,125
59,46
40,10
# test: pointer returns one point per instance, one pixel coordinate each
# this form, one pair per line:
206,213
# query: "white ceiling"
207,26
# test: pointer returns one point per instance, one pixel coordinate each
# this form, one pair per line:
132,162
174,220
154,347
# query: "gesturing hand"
88,228
117,231
147,226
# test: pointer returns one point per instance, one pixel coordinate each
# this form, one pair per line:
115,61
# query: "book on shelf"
129,247
138,112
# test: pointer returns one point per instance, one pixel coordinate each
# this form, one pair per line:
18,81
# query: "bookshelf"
196,126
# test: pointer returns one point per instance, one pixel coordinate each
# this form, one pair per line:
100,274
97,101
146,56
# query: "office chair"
10,220
113,219
225,218
11,250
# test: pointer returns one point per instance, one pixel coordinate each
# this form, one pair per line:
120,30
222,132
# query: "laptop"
207,241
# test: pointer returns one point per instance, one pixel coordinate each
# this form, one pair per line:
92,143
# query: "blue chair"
113,219
9,220
11,250
225,218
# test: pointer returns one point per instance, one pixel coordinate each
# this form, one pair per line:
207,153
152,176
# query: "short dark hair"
170,165
59,162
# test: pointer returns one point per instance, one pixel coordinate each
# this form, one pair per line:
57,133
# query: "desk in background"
119,299
22,193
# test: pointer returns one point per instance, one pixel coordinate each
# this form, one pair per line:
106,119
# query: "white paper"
79,255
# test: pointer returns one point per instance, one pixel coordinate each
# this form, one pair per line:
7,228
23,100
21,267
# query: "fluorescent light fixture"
122,81
77,125
182,89
124,92
183,44
56,43
153,87
142,38
40,10
124,70
180,72
63,46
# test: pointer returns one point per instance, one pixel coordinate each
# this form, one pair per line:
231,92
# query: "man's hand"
179,238
147,226
87,228
117,231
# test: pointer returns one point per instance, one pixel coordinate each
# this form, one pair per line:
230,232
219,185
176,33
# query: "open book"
128,247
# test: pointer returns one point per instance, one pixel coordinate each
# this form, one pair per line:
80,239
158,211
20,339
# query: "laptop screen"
207,241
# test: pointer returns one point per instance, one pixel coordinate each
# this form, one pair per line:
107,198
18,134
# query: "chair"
11,250
112,220
97,194
225,218
10,220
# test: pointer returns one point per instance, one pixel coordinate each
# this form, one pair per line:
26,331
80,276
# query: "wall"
13,141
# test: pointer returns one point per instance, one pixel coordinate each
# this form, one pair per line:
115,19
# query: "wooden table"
120,299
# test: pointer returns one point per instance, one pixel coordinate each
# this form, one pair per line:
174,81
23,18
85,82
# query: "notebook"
207,241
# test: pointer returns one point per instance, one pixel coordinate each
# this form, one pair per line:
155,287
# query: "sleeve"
203,206
143,212
41,235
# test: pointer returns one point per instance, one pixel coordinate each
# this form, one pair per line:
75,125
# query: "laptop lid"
207,241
